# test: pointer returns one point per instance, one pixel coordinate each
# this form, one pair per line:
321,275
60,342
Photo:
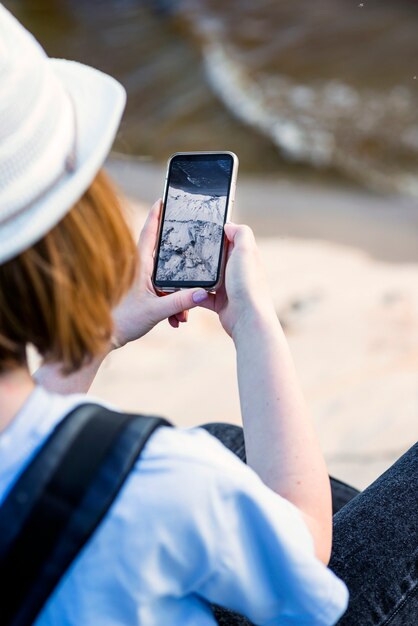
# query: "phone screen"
194,212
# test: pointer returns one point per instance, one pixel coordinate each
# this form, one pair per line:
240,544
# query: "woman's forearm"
280,441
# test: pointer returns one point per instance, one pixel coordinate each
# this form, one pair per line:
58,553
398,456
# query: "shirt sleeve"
262,561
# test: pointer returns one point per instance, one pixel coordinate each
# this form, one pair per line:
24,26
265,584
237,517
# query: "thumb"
231,230
179,301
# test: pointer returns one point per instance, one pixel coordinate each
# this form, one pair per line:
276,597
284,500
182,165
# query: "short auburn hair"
58,295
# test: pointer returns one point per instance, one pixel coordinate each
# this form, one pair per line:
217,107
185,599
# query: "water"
313,89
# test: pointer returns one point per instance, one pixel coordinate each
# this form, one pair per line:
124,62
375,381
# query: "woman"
193,526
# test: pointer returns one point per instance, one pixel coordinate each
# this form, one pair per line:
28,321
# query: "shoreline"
385,227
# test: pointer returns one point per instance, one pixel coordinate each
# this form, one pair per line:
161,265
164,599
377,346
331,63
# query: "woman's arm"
280,441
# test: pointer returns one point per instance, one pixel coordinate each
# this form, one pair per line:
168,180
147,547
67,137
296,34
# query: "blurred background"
319,90
320,102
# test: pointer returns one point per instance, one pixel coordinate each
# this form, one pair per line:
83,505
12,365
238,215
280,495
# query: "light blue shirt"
191,525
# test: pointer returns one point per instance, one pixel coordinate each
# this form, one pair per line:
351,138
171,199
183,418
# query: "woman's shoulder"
190,451
178,467
179,447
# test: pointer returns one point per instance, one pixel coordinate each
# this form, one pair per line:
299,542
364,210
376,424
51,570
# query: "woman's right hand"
244,295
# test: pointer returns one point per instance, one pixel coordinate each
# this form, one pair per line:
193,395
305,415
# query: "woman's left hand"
142,308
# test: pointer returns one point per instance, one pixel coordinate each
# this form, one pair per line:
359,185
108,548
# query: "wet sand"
347,297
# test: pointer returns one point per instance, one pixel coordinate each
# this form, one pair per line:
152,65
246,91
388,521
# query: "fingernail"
199,296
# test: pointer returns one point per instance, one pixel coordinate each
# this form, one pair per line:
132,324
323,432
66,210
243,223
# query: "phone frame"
213,286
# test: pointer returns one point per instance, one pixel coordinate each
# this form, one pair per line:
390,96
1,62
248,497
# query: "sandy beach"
343,269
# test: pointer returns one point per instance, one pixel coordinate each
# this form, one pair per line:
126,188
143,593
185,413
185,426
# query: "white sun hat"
58,120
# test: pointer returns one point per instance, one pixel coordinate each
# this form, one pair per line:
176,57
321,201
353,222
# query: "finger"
230,230
172,320
182,316
239,233
210,302
177,302
146,242
229,249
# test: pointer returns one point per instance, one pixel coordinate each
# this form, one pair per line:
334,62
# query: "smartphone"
198,198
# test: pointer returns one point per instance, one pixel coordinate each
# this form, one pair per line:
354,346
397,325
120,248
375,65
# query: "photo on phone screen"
191,236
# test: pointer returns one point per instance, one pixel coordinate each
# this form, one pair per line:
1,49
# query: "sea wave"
365,127
329,125
298,88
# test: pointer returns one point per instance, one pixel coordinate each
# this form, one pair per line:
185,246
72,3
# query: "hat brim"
99,101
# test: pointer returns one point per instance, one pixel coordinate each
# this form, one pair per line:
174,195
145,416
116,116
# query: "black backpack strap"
59,500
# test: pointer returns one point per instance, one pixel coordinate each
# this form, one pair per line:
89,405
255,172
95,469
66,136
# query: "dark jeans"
375,542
